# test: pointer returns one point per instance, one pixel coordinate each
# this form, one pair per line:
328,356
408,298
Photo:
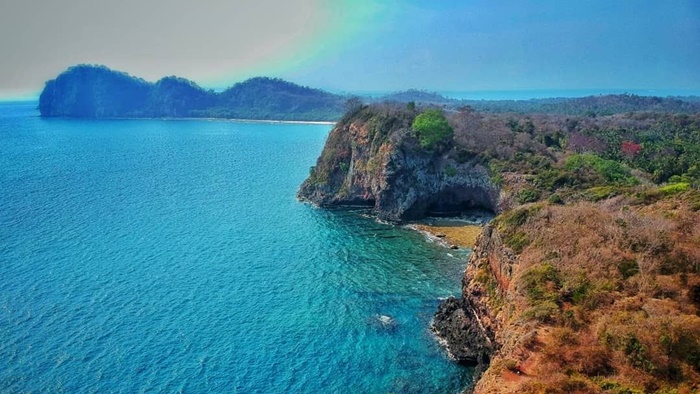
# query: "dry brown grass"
616,285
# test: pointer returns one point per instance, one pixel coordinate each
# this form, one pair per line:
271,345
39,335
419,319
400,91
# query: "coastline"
265,121
453,232
453,236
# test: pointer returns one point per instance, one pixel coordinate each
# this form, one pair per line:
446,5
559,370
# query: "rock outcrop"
372,158
468,325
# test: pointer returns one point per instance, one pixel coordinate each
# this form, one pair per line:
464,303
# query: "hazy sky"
360,45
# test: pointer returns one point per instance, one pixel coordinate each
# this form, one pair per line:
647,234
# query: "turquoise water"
172,256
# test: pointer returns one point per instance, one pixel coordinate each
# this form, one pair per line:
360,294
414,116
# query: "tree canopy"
431,128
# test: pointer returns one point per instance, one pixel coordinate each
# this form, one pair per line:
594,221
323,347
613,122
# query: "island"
588,278
88,91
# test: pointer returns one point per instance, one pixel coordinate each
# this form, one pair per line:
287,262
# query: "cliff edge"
374,157
612,307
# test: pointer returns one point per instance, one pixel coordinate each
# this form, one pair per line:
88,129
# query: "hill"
87,91
588,280
591,106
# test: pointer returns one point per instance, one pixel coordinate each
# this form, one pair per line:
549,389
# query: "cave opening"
455,202
360,202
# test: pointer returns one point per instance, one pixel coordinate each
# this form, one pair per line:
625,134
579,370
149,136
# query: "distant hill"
272,98
590,106
418,97
87,91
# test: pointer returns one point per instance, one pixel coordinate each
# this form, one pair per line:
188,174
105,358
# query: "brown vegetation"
612,290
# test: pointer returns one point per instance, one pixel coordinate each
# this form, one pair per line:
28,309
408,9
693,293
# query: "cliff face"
470,325
372,158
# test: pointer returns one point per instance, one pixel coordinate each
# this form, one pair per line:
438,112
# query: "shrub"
693,199
628,268
464,155
431,128
601,192
609,170
552,179
528,195
541,282
515,218
555,199
674,188
578,288
654,194
517,241
614,387
511,365
637,354
545,312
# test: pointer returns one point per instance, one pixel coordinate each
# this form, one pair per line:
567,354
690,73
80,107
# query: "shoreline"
458,235
267,121
234,120
453,232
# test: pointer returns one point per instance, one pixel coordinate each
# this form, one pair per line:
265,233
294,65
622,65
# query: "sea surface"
172,256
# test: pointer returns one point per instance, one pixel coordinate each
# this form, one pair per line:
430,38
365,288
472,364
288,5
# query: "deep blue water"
172,256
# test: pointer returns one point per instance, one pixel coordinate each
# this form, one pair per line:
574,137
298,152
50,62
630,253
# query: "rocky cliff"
470,326
588,280
611,307
373,158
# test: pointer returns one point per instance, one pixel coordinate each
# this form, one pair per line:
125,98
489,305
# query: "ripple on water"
166,256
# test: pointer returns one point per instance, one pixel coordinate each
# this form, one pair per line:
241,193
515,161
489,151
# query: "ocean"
172,256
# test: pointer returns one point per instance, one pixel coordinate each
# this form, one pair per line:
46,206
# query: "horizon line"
477,95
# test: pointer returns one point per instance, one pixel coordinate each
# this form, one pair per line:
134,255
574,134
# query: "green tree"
431,128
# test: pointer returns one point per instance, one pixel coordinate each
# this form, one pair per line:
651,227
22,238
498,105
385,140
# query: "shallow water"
151,255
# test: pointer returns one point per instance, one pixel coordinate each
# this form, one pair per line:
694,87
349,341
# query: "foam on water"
172,256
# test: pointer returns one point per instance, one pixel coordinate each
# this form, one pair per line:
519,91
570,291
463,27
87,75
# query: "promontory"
588,279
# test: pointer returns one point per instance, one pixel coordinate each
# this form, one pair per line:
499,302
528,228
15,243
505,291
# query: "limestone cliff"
373,158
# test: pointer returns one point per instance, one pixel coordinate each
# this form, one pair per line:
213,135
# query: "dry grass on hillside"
616,302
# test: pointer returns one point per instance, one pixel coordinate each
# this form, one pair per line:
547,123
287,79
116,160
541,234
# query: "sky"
360,45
